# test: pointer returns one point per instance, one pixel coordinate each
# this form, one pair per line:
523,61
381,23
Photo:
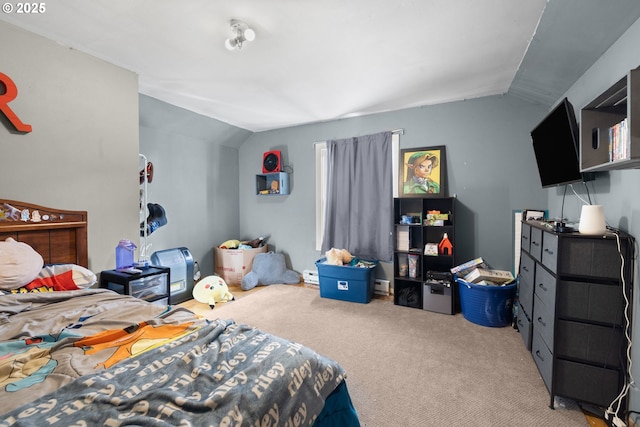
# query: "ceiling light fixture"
242,33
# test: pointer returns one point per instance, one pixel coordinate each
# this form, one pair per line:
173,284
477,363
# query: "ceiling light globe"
249,34
231,44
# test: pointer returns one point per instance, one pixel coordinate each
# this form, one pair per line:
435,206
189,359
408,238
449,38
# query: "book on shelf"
619,141
402,238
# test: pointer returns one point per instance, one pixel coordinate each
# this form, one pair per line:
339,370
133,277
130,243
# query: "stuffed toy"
230,244
338,256
269,268
212,289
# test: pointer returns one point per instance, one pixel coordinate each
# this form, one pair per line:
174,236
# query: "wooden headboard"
60,236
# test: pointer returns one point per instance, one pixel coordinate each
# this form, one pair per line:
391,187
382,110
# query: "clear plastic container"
403,265
124,254
413,265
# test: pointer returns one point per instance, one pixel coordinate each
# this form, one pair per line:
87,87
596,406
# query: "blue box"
346,283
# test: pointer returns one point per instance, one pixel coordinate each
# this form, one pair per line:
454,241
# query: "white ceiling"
316,60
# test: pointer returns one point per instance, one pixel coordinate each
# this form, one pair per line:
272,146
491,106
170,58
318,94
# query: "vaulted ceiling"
315,61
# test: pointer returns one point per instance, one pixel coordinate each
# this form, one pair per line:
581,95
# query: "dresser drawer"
525,295
591,302
150,288
527,267
545,286
536,244
596,258
524,326
543,358
586,383
550,251
543,321
525,237
584,342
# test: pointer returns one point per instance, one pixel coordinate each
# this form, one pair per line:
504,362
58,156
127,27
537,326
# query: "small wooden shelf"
272,184
621,101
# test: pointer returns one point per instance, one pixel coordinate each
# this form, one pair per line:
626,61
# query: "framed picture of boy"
423,172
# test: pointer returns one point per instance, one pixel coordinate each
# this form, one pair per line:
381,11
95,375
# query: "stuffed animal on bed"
212,289
338,256
269,268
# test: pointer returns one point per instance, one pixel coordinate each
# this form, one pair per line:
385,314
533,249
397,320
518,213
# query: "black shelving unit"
408,291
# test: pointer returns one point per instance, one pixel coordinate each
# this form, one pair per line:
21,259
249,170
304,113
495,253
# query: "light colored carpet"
409,367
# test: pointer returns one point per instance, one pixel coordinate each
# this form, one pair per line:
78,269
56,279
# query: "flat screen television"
555,144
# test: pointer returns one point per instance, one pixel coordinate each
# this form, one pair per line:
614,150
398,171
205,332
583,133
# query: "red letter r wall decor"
10,93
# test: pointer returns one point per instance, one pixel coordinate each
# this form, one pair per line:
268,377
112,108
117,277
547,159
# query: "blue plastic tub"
347,283
487,305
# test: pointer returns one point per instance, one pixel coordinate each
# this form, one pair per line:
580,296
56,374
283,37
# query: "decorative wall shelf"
618,104
272,184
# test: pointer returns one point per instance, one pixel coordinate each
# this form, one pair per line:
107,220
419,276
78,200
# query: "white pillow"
19,264
80,276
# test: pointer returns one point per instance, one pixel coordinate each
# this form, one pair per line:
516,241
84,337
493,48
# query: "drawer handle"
524,267
539,355
535,243
541,322
548,251
525,238
541,286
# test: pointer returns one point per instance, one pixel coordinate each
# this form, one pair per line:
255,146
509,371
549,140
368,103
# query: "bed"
73,354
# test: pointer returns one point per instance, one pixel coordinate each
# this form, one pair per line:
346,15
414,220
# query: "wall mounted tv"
555,144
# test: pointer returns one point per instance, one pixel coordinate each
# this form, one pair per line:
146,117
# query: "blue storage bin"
487,305
347,283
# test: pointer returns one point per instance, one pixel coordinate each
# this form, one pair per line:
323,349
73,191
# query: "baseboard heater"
311,277
381,287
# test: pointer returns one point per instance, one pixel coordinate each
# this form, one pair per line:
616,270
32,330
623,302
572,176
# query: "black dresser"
573,295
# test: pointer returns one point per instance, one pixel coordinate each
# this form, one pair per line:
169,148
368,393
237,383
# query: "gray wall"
490,167
618,190
82,152
195,161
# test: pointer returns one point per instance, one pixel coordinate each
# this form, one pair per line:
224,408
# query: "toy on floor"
244,244
212,289
269,268
338,256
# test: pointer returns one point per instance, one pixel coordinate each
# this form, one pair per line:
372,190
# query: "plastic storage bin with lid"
347,282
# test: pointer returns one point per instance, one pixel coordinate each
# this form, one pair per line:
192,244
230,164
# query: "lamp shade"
592,220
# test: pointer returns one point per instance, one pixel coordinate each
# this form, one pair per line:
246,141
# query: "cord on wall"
612,413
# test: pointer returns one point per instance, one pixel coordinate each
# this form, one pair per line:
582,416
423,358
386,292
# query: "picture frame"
431,164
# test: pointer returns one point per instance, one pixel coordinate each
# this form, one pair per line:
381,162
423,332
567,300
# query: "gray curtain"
359,205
